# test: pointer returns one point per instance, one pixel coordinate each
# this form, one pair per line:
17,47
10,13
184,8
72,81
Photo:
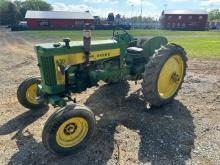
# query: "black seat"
134,50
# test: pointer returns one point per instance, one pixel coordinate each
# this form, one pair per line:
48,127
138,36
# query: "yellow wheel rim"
31,94
170,76
72,132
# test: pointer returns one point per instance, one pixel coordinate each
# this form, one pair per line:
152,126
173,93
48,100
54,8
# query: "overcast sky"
123,7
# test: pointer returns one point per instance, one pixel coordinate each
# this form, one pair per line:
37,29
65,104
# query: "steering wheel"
124,35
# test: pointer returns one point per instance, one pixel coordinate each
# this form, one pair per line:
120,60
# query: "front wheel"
27,94
69,129
164,75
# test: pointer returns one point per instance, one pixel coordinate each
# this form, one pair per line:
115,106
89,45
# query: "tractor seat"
134,50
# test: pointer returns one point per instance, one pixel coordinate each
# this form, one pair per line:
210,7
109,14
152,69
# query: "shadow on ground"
25,142
166,134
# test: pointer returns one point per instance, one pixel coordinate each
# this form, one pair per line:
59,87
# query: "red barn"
57,19
184,19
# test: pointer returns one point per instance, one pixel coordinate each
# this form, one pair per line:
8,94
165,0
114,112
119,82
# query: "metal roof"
57,15
195,11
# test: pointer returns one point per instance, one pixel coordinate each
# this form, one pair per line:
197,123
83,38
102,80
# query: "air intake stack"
87,41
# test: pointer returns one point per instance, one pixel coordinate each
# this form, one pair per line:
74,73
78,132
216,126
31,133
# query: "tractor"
70,67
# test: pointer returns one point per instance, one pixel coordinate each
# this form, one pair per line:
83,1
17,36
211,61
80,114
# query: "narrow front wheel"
69,129
28,94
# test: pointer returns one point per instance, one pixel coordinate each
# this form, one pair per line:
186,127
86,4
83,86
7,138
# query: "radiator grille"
49,72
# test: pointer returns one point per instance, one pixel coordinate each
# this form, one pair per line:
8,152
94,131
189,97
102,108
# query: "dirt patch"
187,131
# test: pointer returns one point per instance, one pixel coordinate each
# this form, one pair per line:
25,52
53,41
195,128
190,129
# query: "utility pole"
211,6
141,7
165,7
132,7
141,11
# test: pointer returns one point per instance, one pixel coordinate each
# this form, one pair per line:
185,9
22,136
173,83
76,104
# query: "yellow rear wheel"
69,129
164,74
170,76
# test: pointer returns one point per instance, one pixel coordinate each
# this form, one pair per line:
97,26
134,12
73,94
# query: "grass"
206,47
198,44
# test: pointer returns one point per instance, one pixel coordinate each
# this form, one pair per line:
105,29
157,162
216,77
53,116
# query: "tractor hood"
52,55
51,49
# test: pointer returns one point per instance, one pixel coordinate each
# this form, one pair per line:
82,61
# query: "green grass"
198,44
206,47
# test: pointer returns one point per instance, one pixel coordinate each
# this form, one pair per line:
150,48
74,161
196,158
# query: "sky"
151,8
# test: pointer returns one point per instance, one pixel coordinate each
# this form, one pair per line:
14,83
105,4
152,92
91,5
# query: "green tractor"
71,67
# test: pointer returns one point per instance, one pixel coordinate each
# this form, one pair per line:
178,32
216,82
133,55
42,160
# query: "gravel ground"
187,131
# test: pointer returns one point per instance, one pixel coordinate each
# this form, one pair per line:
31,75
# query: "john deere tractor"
71,67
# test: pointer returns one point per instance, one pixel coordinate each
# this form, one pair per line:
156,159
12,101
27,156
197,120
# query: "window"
190,17
169,17
44,23
200,17
79,22
183,25
179,17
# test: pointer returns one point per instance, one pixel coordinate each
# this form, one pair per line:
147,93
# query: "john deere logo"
61,65
103,55
60,62
100,55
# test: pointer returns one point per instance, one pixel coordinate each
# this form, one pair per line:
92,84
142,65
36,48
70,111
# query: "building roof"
57,15
192,12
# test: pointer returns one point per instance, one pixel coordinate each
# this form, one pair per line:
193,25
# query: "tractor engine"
74,66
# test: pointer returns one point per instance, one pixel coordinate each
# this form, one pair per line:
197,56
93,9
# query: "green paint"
109,61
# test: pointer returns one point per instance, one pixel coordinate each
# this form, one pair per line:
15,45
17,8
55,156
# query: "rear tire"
27,93
159,88
69,130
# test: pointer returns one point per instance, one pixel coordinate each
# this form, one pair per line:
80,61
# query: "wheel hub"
72,132
70,129
31,94
175,77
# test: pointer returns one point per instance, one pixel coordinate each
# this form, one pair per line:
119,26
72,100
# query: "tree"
111,17
118,16
33,5
139,19
3,7
8,13
214,15
13,12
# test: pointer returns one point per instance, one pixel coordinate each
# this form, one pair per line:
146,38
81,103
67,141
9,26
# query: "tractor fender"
153,44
